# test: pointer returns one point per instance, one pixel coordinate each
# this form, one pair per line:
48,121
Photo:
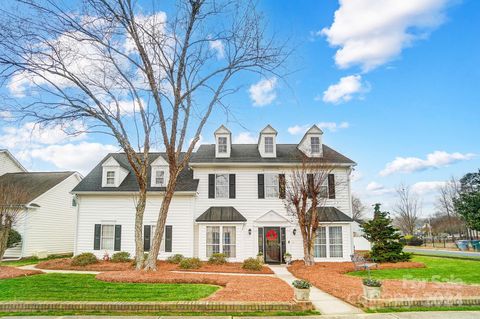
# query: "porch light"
294,231
249,231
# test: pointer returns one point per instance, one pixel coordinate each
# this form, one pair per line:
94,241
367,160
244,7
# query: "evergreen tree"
386,246
468,203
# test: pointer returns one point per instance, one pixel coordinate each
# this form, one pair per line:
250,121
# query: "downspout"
77,217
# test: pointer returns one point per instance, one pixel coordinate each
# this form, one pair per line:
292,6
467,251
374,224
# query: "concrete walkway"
323,302
222,273
396,315
48,271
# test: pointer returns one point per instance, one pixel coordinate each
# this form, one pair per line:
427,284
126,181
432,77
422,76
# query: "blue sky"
415,92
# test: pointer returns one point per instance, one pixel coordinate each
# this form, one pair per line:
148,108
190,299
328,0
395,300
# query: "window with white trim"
271,185
107,237
221,185
110,180
320,244
268,144
328,242
315,144
222,144
221,239
336,241
324,186
160,177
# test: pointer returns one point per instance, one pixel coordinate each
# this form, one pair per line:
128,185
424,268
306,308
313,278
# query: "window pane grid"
320,245
336,242
268,144
271,185
221,241
110,177
315,144
159,177
222,144
107,237
221,185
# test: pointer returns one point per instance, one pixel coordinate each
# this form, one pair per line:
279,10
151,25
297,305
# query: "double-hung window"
110,177
222,144
320,245
271,185
328,242
160,177
336,243
107,237
221,186
268,144
221,239
315,144
324,186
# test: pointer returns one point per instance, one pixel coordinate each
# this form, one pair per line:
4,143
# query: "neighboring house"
360,243
228,200
47,223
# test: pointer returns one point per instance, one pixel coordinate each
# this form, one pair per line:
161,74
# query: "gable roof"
34,183
248,153
268,130
13,159
221,214
93,181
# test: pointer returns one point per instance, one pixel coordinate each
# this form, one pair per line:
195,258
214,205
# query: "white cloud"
218,47
6,115
356,176
263,92
344,90
331,126
423,188
378,189
370,33
81,157
436,159
245,138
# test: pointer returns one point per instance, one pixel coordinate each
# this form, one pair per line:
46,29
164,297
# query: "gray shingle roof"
221,214
93,181
34,183
332,214
248,153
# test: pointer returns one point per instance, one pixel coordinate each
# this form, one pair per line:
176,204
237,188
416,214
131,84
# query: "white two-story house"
230,200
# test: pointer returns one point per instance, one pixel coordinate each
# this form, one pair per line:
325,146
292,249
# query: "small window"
110,177
315,144
222,144
160,177
271,185
107,237
268,144
221,186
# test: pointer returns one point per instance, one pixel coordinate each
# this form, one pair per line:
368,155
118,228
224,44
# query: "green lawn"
75,287
437,269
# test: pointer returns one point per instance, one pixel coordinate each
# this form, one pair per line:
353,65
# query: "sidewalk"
443,252
48,271
323,302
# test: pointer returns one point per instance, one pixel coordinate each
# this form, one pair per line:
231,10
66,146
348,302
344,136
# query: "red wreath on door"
272,235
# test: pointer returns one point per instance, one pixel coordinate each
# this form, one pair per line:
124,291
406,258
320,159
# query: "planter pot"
288,259
302,294
372,292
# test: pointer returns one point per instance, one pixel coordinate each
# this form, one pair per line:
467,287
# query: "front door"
273,247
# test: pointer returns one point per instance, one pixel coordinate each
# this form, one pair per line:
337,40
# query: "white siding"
7,165
50,228
120,210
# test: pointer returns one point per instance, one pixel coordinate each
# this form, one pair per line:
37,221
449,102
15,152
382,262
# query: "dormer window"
111,178
222,145
268,144
160,178
315,144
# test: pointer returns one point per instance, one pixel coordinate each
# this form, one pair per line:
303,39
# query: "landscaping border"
170,306
450,301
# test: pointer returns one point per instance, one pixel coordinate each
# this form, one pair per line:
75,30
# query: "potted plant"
260,257
301,290
372,288
287,257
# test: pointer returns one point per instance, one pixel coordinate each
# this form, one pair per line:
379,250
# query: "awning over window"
332,214
221,214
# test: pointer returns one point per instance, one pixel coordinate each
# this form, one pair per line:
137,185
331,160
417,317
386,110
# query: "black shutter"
260,240
147,234
261,186
281,185
283,241
211,185
118,238
310,184
331,186
96,237
231,179
168,239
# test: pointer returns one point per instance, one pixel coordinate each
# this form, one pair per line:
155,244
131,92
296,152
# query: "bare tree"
308,187
447,219
128,72
407,210
12,204
357,209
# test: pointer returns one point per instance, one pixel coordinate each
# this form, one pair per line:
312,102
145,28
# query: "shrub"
190,263
252,264
217,259
301,284
175,259
84,259
121,257
370,282
411,240
14,238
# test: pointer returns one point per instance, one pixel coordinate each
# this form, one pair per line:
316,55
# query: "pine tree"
386,246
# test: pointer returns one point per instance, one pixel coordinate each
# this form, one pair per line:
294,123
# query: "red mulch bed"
331,278
235,288
65,264
12,272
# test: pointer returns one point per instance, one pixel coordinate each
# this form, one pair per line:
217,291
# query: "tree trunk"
151,263
4,231
140,210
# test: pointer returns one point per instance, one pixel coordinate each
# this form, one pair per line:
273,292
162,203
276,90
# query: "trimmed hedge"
84,259
217,259
190,263
252,264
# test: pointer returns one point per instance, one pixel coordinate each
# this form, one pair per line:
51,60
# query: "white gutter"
179,193
257,164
